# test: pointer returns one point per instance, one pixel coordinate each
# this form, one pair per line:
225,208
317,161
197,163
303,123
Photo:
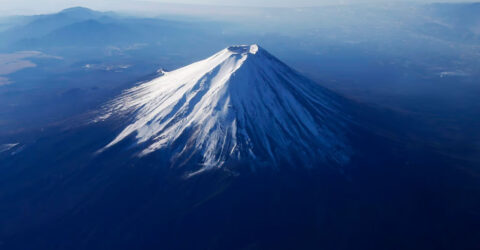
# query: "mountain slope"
56,193
241,104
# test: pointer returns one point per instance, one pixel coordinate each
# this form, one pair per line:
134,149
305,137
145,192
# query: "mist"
155,7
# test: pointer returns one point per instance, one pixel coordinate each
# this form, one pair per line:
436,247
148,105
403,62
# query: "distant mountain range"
84,27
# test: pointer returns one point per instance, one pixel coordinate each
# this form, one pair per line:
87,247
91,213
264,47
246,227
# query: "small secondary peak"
243,49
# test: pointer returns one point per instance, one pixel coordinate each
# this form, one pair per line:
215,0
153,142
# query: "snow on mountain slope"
6,147
241,104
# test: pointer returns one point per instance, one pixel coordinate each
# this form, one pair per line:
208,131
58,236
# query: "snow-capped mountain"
240,105
121,182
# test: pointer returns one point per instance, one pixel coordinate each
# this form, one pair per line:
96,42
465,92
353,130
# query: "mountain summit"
241,105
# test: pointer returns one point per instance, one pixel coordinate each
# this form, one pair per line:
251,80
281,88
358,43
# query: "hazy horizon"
28,7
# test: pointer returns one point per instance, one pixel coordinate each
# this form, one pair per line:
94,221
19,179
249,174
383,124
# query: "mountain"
239,105
41,25
82,13
76,28
237,151
90,32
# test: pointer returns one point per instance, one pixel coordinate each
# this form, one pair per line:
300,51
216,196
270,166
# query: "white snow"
6,147
452,73
241,103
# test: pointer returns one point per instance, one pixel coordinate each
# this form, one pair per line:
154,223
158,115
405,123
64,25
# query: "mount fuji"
237,151
241,105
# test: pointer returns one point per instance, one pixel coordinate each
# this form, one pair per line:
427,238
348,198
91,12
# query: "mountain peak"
244,49
77,9
223,110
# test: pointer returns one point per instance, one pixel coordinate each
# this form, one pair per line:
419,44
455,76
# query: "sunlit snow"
241,103
6,147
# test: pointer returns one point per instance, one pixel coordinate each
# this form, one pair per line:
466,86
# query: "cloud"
4,81
13,62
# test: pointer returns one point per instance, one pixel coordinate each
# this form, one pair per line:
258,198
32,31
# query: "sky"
14,7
